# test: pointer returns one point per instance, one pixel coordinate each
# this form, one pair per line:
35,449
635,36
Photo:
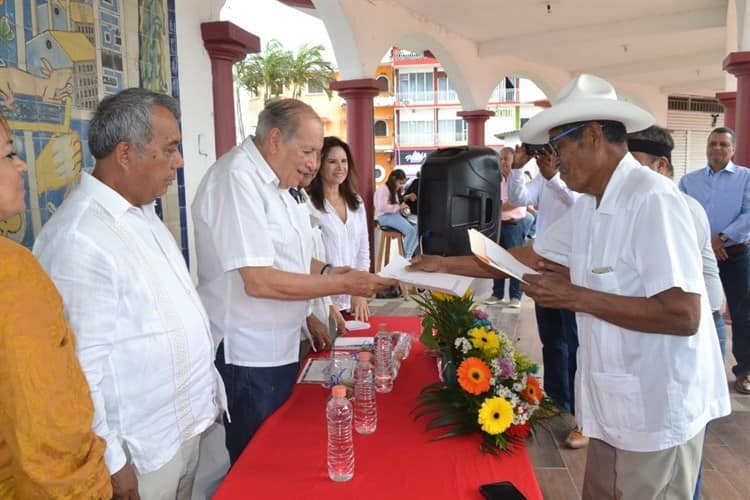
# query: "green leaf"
460,430
427,337
447,418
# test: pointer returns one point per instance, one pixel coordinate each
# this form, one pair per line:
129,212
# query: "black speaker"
459,189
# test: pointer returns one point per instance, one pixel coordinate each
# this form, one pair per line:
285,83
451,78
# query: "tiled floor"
726,472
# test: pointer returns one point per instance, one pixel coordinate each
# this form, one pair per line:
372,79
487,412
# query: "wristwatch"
723,237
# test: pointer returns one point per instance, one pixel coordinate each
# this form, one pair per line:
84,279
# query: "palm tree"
269,70
310,68
276,68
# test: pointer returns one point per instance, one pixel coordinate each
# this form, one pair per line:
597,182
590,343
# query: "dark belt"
717,314
735,249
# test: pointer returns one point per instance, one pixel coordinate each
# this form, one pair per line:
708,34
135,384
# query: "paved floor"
726,473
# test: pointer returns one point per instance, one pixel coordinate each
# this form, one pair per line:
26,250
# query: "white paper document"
353,325
441,282
319,370
351,342
496,256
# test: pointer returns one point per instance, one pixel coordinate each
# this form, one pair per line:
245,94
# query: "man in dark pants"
558,330
255,263
513,230
723,189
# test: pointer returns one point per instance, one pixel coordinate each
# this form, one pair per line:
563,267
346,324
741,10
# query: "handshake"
360,283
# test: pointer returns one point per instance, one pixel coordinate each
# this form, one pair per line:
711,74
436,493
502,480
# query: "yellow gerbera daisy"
442,297
474,376
484,339
495,415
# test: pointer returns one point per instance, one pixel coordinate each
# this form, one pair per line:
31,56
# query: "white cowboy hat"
585,98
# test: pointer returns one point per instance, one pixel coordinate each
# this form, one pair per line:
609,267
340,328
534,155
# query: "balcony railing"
417,97
504,95
452,137
419,138
449,95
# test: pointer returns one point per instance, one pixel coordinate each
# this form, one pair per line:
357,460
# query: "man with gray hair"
143,337
255,264
513,230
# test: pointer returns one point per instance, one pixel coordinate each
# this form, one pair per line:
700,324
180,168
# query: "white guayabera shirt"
142,335
243,219
552,197
638,391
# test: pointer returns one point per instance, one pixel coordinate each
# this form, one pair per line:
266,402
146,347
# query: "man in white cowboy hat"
624,259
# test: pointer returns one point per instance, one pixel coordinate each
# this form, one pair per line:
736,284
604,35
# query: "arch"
383,78
380,128
344,42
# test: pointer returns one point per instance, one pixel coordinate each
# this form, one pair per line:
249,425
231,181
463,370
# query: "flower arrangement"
485,385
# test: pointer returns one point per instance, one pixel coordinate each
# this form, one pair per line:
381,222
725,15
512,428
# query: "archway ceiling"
674,45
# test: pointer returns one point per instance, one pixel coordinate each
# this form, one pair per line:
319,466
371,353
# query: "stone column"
360,116
738,64
729,101
476,118
226,44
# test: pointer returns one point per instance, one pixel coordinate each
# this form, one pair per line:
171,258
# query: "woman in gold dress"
47,447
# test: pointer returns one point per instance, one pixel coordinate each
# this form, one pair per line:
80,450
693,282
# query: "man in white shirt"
653,148
624,259
255,264
142,335
558,330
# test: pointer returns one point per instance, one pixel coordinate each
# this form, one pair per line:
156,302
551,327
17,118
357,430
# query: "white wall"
196,99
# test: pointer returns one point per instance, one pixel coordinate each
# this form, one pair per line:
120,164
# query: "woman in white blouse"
342,218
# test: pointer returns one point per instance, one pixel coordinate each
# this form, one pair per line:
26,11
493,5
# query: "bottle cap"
364,355
338,391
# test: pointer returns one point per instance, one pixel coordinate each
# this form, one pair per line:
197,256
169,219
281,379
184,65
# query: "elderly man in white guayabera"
644,321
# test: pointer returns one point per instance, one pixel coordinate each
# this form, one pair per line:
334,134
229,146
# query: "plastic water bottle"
340,441
383,360
365,410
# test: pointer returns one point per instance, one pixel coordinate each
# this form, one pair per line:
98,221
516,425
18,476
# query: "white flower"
505,393
463,344
520,384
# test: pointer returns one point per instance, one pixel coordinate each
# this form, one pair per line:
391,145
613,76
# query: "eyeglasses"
562,134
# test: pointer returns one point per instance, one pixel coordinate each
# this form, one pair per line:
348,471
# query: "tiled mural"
58,58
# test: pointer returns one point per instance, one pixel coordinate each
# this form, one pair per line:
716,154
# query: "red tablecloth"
286,459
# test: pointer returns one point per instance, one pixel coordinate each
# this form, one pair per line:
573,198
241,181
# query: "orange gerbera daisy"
474,376
532,393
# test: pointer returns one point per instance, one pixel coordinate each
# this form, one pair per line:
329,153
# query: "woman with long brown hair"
389,205
343,222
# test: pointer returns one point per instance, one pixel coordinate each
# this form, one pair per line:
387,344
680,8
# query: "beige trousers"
617,474
174,480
